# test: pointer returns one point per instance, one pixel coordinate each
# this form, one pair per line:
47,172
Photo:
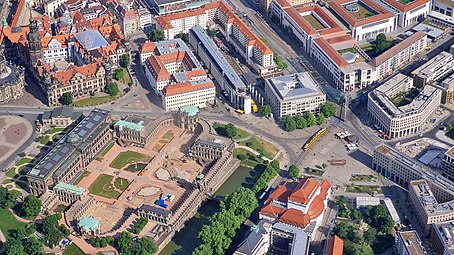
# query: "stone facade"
12,81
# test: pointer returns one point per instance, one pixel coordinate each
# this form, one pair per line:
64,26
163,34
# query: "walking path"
2,237
19,218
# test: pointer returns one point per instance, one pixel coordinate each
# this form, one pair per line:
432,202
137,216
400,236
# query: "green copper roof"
190,110
130,125
89,223
70,188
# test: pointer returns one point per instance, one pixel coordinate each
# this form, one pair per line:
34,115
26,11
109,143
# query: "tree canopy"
112,89
294,171
280,62
8,198
66,98
31,206
381,44
321,119
265,110
119,73
270,172
125,61
310,118
301,123
230,130
156,35
289,123
329,109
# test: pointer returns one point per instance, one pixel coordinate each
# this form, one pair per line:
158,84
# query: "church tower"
34,43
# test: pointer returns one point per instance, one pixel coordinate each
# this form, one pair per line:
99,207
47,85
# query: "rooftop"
445,233
91,39
428,200
89,223
430,67
70,188
133,122
412,242
406,5
294,86
335,246
190,110
366,12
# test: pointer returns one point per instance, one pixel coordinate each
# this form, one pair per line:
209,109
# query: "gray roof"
212,143
217,59
71,145
253,239
91,39
300,241
157,210
294,86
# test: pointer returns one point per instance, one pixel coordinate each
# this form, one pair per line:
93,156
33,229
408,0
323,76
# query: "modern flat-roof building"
442,12
407,12
365,201
66,160
401,54
365,18
442,237
390,109
169,6
447,164
293,94
446,85
225,76
426,206
433,69
409,243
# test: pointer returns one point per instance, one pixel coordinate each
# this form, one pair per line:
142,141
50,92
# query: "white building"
404,117
55,48
145,19
407,13
409,243
433,69
197,93
293,94
365,201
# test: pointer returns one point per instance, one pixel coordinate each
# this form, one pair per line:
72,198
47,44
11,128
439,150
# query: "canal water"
185,241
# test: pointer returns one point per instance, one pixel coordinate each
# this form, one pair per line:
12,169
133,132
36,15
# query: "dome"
73,138
190,110
349,57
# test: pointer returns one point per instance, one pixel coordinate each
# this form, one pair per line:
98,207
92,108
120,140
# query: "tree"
33,246
324,165
289,123
53,238
49,223
119,73
231,131
112,89
124,241
301,122
212,33
241,157
66,98
8,198
370,235
14,247
310,118
381,43
31,206
294,171
265,110
329,109
156,35
321,119
109,239
356,215
103,242
125,61
143,246
280,62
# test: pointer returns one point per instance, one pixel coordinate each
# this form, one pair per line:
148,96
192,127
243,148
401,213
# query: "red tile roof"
335,246
271,211
147,47
186,87
407,7
298,19
305,191
295,217
17,14
281,193
330,51
382,12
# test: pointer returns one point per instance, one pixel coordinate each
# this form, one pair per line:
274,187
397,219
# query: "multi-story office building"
66,160
197,93
401,54
433,69
446,85
145,19
407,12
377,20
402,118
403,169
447,164
162,7
409,243
247,43
442,13
225,76
293,94
426,206
442,237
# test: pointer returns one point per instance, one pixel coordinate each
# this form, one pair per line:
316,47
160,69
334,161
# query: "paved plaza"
14,131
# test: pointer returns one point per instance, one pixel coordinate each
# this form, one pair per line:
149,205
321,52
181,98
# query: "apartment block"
402,119
447,164
407,13
442,237
433,69
293,94
409,243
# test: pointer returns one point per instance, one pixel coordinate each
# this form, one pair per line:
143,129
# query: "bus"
313,139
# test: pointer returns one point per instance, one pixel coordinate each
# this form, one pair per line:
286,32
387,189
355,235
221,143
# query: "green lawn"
364,189
11,172
168,135
56,130
85,174
251,160
362,178
364,12
7,181
44,140
102,186
261,146
220,129
405,98
104,152
136,167
121,184
8,222
73,249
351,50
128,157
23,161
94,101
314,22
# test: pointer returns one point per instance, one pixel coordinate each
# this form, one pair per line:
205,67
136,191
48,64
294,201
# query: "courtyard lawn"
314,22
405,98
8,222
44,140
11,172
105,151
369,189
136,167
73,249
85,174
94,101
7,181
363,12
220,130
102,186
250,160
56,130
121,184
128,157
362,178
168,135
23,161
351,50
261,146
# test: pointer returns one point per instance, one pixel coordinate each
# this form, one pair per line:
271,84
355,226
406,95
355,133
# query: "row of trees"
270,172
216,237
27,244
308,119
101,242
139,225
141,246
